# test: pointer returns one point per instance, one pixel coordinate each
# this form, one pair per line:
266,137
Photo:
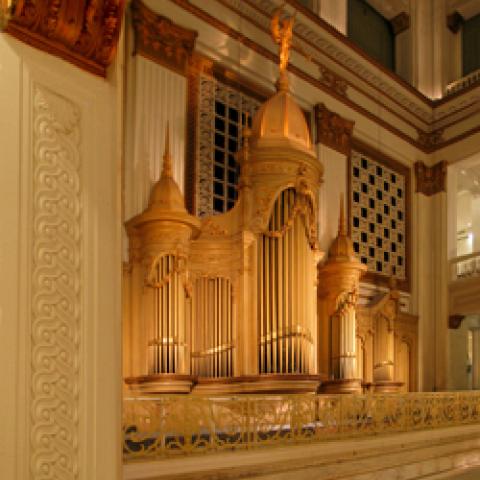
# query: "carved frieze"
332,129
161,40
83,32
430,180
333,81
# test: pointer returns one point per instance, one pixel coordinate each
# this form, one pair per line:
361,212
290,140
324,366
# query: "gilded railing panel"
172,425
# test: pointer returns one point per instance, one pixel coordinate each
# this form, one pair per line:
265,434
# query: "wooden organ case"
237,302
228,303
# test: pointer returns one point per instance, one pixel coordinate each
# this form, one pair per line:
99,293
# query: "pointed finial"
282,33
167,170
342,226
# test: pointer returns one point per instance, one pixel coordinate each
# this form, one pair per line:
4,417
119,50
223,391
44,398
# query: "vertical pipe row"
169,320
213,320
286,302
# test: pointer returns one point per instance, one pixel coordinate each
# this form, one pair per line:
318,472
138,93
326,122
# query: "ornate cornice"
332,129
161,40
83,32
430,180
400,23
430,140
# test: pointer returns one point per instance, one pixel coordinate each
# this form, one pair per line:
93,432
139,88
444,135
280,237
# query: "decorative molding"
430,180
56,311
83,32
333,81
312,42
332,129
455,22
400,23
430,140
161,40
455,321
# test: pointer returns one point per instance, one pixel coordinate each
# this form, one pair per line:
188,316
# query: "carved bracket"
83,32
332,129
430,180
455,21
400,23
430,140
161,40
332,81
454,321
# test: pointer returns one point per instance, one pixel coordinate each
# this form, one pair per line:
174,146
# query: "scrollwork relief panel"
56,311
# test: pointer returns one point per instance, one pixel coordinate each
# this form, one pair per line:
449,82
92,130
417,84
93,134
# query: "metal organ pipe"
169,318
213,318
286,294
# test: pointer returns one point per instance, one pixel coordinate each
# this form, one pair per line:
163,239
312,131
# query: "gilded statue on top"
282,33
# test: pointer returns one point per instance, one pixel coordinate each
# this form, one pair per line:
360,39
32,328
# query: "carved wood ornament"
430,180
400,23
83,32
333,130
161,40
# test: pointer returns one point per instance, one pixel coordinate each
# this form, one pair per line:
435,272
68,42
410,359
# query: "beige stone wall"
60,322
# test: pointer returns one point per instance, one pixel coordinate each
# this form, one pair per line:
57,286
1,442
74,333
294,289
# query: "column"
422,31
60,256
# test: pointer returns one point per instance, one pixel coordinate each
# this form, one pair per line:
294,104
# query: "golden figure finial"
342,226
282,33
167,170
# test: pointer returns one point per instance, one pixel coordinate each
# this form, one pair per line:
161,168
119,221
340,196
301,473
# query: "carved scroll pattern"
56,295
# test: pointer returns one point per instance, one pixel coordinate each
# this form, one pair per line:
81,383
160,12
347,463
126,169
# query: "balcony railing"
465,266
179,425
463,82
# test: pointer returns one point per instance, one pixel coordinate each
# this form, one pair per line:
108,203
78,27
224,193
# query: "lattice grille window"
223,113
378,216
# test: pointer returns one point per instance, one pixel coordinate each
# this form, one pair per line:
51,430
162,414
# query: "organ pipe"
168,312
286,290
213,327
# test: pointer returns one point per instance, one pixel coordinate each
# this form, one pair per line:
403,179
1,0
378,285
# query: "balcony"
464,286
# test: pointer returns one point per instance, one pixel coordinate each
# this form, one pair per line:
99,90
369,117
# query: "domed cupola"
281,121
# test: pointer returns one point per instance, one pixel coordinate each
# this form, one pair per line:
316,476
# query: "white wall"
60,406
157,96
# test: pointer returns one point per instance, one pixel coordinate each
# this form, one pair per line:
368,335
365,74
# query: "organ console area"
242,302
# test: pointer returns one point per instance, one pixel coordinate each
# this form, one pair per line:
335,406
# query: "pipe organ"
212,327
237,302
285,275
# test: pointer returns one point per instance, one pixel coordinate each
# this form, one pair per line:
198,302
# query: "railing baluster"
172,425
